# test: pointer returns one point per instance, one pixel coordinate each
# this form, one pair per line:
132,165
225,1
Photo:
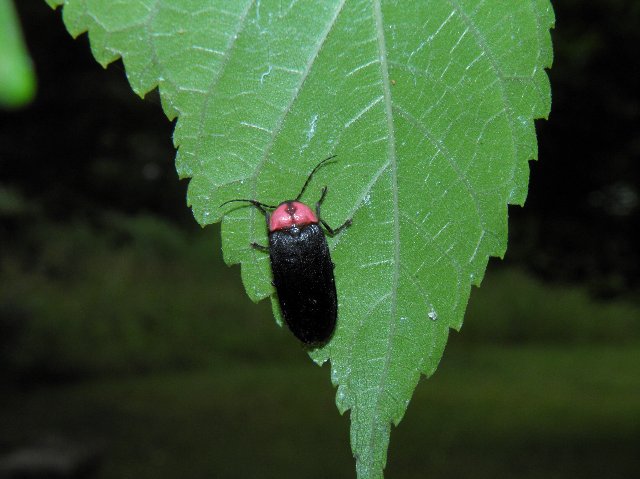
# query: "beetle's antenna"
304,187
253,202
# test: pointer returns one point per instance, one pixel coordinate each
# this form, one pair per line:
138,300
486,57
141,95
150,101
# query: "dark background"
128,347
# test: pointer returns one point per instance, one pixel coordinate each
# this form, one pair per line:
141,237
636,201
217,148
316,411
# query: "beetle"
301,264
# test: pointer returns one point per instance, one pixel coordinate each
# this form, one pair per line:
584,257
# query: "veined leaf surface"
429,106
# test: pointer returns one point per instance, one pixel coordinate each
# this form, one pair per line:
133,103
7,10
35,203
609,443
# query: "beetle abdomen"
303,278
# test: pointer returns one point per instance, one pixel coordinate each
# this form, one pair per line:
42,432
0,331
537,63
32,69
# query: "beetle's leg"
333,232
319,203
330,230
324,193
259,247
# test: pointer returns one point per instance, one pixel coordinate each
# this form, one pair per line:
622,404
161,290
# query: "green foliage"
430,107
17,81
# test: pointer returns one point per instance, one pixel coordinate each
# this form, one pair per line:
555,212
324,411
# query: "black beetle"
301,265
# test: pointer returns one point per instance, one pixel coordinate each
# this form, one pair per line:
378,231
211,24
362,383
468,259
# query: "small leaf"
429,106
17,81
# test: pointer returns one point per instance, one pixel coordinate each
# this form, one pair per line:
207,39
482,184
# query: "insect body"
301,265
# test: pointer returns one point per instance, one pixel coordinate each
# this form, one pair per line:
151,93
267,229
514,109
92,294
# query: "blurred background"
128,349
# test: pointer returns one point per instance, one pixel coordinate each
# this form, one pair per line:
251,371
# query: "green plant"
430,107
17,82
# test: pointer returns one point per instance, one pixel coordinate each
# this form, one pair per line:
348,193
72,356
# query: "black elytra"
301,265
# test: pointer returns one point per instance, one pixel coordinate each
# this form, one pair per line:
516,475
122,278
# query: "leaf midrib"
391,149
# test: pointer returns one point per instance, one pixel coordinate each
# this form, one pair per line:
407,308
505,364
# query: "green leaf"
430,107
17,81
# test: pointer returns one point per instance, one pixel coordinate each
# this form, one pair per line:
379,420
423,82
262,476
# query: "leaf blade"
430,106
